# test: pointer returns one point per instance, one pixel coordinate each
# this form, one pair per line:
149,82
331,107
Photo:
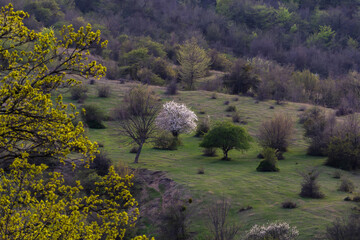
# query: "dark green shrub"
289,204
203,127
214,96
93,116
310,187
134,149
231,109
101,164
171,88
201,170
165,141
78,93
343,153
209,152
104,91
337,174
236,118
269,162
346,185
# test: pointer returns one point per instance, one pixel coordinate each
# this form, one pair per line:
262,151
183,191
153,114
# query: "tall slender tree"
138,114
194,63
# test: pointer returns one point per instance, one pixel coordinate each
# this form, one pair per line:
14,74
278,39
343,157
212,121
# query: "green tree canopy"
226,136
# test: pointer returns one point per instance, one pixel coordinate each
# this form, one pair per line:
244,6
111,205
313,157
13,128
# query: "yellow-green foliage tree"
194,63
34,203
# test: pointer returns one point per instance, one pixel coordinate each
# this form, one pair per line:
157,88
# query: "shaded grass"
237,179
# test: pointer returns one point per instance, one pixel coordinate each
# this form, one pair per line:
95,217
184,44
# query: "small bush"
236,118
302,109
165,141
203,127
209,152
231,109
104,91
92,82
271,107
346,185
337,174
201,170
101,164
289,204
93,116
235,99
134,149
309,186
214,96
269,162
171,88
277,230
78,93
226,102
356,198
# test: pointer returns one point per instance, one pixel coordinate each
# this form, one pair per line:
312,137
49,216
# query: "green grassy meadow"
236,180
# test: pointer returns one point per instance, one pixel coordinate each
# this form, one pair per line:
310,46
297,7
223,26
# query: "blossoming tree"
176,118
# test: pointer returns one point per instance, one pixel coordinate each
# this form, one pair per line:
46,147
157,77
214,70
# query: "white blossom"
277,230
176,118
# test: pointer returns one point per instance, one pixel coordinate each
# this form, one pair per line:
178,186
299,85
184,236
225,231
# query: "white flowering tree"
176,118
277,230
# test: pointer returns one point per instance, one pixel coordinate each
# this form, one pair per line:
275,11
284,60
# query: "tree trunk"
225,151
138,153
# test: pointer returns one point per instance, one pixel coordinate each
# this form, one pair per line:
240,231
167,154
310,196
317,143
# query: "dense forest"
285,39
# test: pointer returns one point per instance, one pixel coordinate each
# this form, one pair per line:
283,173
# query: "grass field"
236,180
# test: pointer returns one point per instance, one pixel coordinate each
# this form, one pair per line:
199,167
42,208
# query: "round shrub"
203,127
101,164
269,162
93,116
165,141
78,93
104,91
171,88
289,204
209,152
346,185
231,109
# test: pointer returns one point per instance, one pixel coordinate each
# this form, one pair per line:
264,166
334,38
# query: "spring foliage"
35,204
194,63
176,118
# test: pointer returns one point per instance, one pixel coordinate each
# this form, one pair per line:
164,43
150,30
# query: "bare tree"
137,115
218,225
276,132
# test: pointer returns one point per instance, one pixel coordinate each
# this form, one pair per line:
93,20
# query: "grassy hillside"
237,179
